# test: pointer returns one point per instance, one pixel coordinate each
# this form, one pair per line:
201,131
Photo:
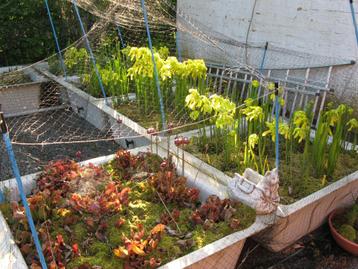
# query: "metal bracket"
129,142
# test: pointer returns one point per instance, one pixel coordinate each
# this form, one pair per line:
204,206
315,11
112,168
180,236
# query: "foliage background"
25,31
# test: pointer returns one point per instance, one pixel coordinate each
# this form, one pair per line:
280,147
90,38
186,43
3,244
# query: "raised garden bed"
129,197
130,84
245,138
293,221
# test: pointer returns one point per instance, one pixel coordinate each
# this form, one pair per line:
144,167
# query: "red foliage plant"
57,174
61,180
171,187
135,250
216,210
126,164
110,201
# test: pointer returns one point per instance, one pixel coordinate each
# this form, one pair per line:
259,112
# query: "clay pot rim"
334,230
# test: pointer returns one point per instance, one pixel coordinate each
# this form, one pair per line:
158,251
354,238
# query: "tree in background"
25,32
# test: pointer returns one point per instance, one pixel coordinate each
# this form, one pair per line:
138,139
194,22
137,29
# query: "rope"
90,50
354,19
56,39
154,64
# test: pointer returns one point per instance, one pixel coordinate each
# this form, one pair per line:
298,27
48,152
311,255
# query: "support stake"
154,64
56,39
263,58
121,36
88,45
354,19
277,142
16,172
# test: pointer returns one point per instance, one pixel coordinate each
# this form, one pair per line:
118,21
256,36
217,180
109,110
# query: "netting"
59,111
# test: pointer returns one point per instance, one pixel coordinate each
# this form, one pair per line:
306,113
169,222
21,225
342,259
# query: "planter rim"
191,258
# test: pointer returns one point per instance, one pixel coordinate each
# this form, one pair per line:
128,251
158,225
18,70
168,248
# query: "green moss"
348,232
99,249
104,262
79,231
168,249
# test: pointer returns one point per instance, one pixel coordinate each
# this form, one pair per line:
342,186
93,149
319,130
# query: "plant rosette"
345,234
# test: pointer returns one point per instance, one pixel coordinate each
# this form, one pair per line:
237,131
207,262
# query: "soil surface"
62,125
317,250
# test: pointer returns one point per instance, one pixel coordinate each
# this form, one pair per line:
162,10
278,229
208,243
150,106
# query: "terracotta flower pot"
346,244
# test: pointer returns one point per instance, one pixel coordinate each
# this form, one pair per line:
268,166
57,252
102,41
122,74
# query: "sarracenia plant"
175,77
352,126
221,110
115,79
342,113
333,123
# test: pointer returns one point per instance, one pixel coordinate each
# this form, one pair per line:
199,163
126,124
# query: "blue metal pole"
121,36
16,173
177,39
88,45
354,19
154,64
277,142
2,197
56,39
263,59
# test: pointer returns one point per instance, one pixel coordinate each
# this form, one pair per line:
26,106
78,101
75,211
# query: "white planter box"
291,222
223,253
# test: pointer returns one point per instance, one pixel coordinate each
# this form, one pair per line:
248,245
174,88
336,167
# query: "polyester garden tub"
223,253
290,222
